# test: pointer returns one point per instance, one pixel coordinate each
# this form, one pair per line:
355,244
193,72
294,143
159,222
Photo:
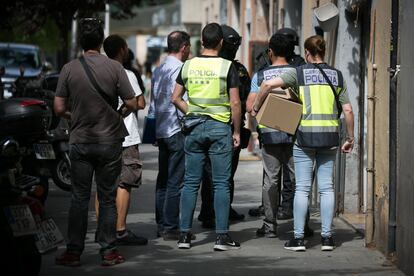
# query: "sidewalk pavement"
258,256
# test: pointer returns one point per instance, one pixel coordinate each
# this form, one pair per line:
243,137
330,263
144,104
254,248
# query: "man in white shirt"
116,48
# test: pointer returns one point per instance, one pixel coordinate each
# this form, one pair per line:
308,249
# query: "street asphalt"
258,256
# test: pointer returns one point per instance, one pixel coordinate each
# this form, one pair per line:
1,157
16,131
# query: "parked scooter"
22,256
24,231
52,151
26,121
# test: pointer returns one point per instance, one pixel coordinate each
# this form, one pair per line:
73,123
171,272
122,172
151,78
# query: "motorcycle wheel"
61,172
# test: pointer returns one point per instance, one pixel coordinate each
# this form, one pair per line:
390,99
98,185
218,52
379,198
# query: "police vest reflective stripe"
319,126
205,79
270,135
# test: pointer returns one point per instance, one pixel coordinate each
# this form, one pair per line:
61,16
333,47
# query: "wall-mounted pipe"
369,215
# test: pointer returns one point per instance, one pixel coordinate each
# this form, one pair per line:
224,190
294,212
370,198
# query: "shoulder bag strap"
338,104
92,79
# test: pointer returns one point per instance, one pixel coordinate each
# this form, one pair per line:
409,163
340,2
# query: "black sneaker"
129,238
267,231
295,245
257,212
224,243
184,241
327,244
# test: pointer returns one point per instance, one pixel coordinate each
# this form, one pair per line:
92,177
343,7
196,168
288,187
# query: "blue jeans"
105,162
304,159
210,139
169,182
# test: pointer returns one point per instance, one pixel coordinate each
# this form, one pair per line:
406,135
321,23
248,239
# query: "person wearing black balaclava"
294,59
231,43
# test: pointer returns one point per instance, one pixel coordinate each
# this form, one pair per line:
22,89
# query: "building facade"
370,42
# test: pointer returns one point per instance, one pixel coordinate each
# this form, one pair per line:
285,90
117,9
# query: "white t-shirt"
131,121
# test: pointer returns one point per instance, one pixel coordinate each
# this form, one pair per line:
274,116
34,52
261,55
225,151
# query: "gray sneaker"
267,231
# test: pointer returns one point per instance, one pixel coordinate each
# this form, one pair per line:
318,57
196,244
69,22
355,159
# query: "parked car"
14,57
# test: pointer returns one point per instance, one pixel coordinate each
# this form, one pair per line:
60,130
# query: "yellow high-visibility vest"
319,126
205,80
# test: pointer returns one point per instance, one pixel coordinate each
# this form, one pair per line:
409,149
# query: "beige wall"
210,11
191,10
379,80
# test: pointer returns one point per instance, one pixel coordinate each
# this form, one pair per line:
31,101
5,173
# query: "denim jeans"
169,182
274,158
210,139
304,159
207,193
105,162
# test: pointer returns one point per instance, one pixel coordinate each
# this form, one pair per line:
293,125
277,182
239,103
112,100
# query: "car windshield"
14,57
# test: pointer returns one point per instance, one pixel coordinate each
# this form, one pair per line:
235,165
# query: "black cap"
290,33
230,35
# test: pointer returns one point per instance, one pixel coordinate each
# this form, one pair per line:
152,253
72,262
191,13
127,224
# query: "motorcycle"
26,121
24,231
52,151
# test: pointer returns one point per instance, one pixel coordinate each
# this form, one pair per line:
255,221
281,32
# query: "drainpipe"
369,215
394,70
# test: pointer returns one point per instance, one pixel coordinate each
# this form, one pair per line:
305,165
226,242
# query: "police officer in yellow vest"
213,104
323,93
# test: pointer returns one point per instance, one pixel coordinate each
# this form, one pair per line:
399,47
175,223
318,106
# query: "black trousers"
105,162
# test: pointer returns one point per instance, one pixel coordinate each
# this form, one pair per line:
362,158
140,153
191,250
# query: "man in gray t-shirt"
97,132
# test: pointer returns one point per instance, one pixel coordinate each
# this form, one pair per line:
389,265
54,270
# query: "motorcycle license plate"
44,151
48,235
21,220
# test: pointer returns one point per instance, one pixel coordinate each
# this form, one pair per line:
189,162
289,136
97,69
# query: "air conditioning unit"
327,16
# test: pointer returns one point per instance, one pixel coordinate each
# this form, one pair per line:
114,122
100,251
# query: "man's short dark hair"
113,45
281,46
91,33
176,40
211,35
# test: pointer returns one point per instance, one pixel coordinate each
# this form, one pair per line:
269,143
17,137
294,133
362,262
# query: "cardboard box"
280,112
